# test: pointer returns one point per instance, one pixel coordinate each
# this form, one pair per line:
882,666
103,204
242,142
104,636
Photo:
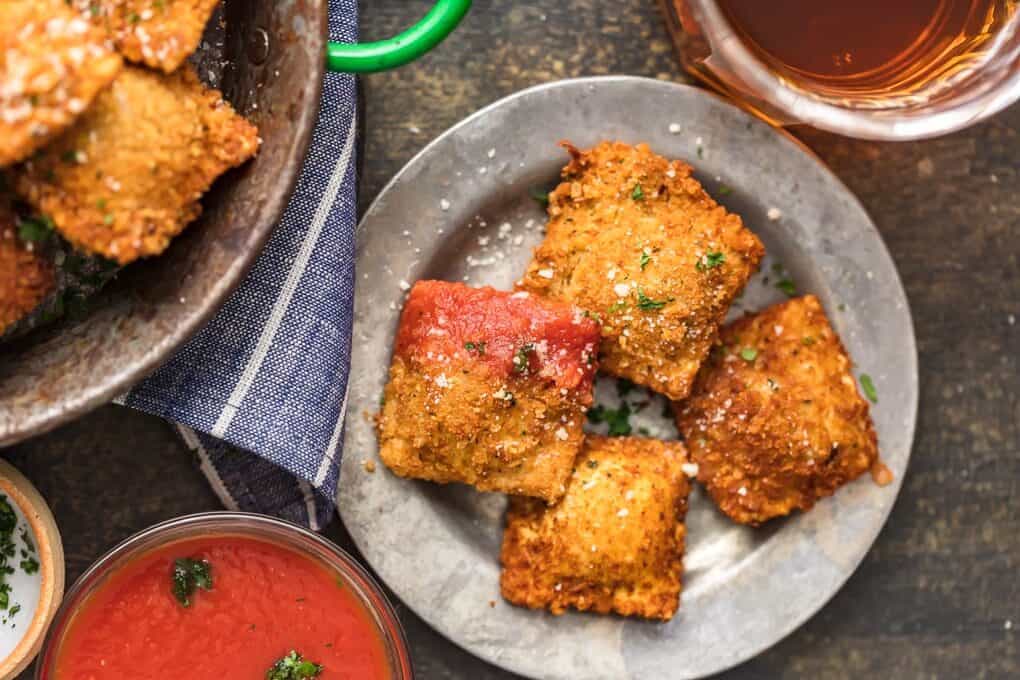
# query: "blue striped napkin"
260,393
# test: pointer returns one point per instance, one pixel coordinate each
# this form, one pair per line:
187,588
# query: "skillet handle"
402,48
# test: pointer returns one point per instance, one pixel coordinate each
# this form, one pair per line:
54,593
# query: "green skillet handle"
401,49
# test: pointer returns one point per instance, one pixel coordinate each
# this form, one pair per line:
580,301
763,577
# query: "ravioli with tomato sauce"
488,388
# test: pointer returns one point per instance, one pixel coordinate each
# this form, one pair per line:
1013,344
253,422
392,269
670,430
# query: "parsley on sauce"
293,667
188,575
522,360
638,194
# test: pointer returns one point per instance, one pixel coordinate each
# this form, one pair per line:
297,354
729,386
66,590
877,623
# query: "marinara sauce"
265,601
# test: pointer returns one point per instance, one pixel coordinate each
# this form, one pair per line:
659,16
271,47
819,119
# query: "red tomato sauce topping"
452,323
266,600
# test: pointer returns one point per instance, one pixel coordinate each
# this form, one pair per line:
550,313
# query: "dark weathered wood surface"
939,595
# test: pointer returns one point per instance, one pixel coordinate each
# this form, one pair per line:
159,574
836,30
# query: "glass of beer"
875,69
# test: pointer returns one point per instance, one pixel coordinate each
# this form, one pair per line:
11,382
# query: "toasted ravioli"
128,176
635,239
488,388
26,276
157,33
615,542
775,421
52,65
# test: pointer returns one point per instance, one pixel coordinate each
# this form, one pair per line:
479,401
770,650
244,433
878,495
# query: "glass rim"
874,124
367,590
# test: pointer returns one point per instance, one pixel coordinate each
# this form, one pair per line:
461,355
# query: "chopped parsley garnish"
787,286
8,549
710,260
592,315
749,354
35,229
724,189
617,419
188,575
475,347
539,196
522,360
646,303
593,464
616,307
293,667
645,259
638,194
869,388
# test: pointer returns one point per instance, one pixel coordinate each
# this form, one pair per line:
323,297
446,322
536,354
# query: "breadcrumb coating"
636,240
26,276
488,388
615,542
53,63
158,33
128,176
775,421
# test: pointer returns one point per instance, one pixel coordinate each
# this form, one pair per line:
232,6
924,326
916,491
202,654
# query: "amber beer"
921,56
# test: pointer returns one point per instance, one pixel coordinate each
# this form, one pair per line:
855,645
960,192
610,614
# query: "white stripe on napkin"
309,497
206,466
334,440
293,278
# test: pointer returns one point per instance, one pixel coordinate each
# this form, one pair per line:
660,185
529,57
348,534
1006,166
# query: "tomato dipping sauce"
265,600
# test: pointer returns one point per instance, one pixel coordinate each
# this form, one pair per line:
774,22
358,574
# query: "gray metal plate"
461,210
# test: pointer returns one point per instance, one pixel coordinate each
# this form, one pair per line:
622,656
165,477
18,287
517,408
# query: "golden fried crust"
52,65
614,543
635,239
487,388
128,177
26,278
775,421
157,33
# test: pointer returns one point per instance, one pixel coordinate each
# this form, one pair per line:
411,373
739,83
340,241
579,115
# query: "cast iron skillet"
268,57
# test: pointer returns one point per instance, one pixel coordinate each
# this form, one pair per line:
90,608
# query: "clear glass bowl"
710,49
261,527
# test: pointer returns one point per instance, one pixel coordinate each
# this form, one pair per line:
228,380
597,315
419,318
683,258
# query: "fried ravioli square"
775,421
158,33
52,65
635,239
488,388
615,542
26,275
127,178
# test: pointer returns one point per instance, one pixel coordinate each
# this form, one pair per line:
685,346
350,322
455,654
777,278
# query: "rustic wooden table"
939,595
